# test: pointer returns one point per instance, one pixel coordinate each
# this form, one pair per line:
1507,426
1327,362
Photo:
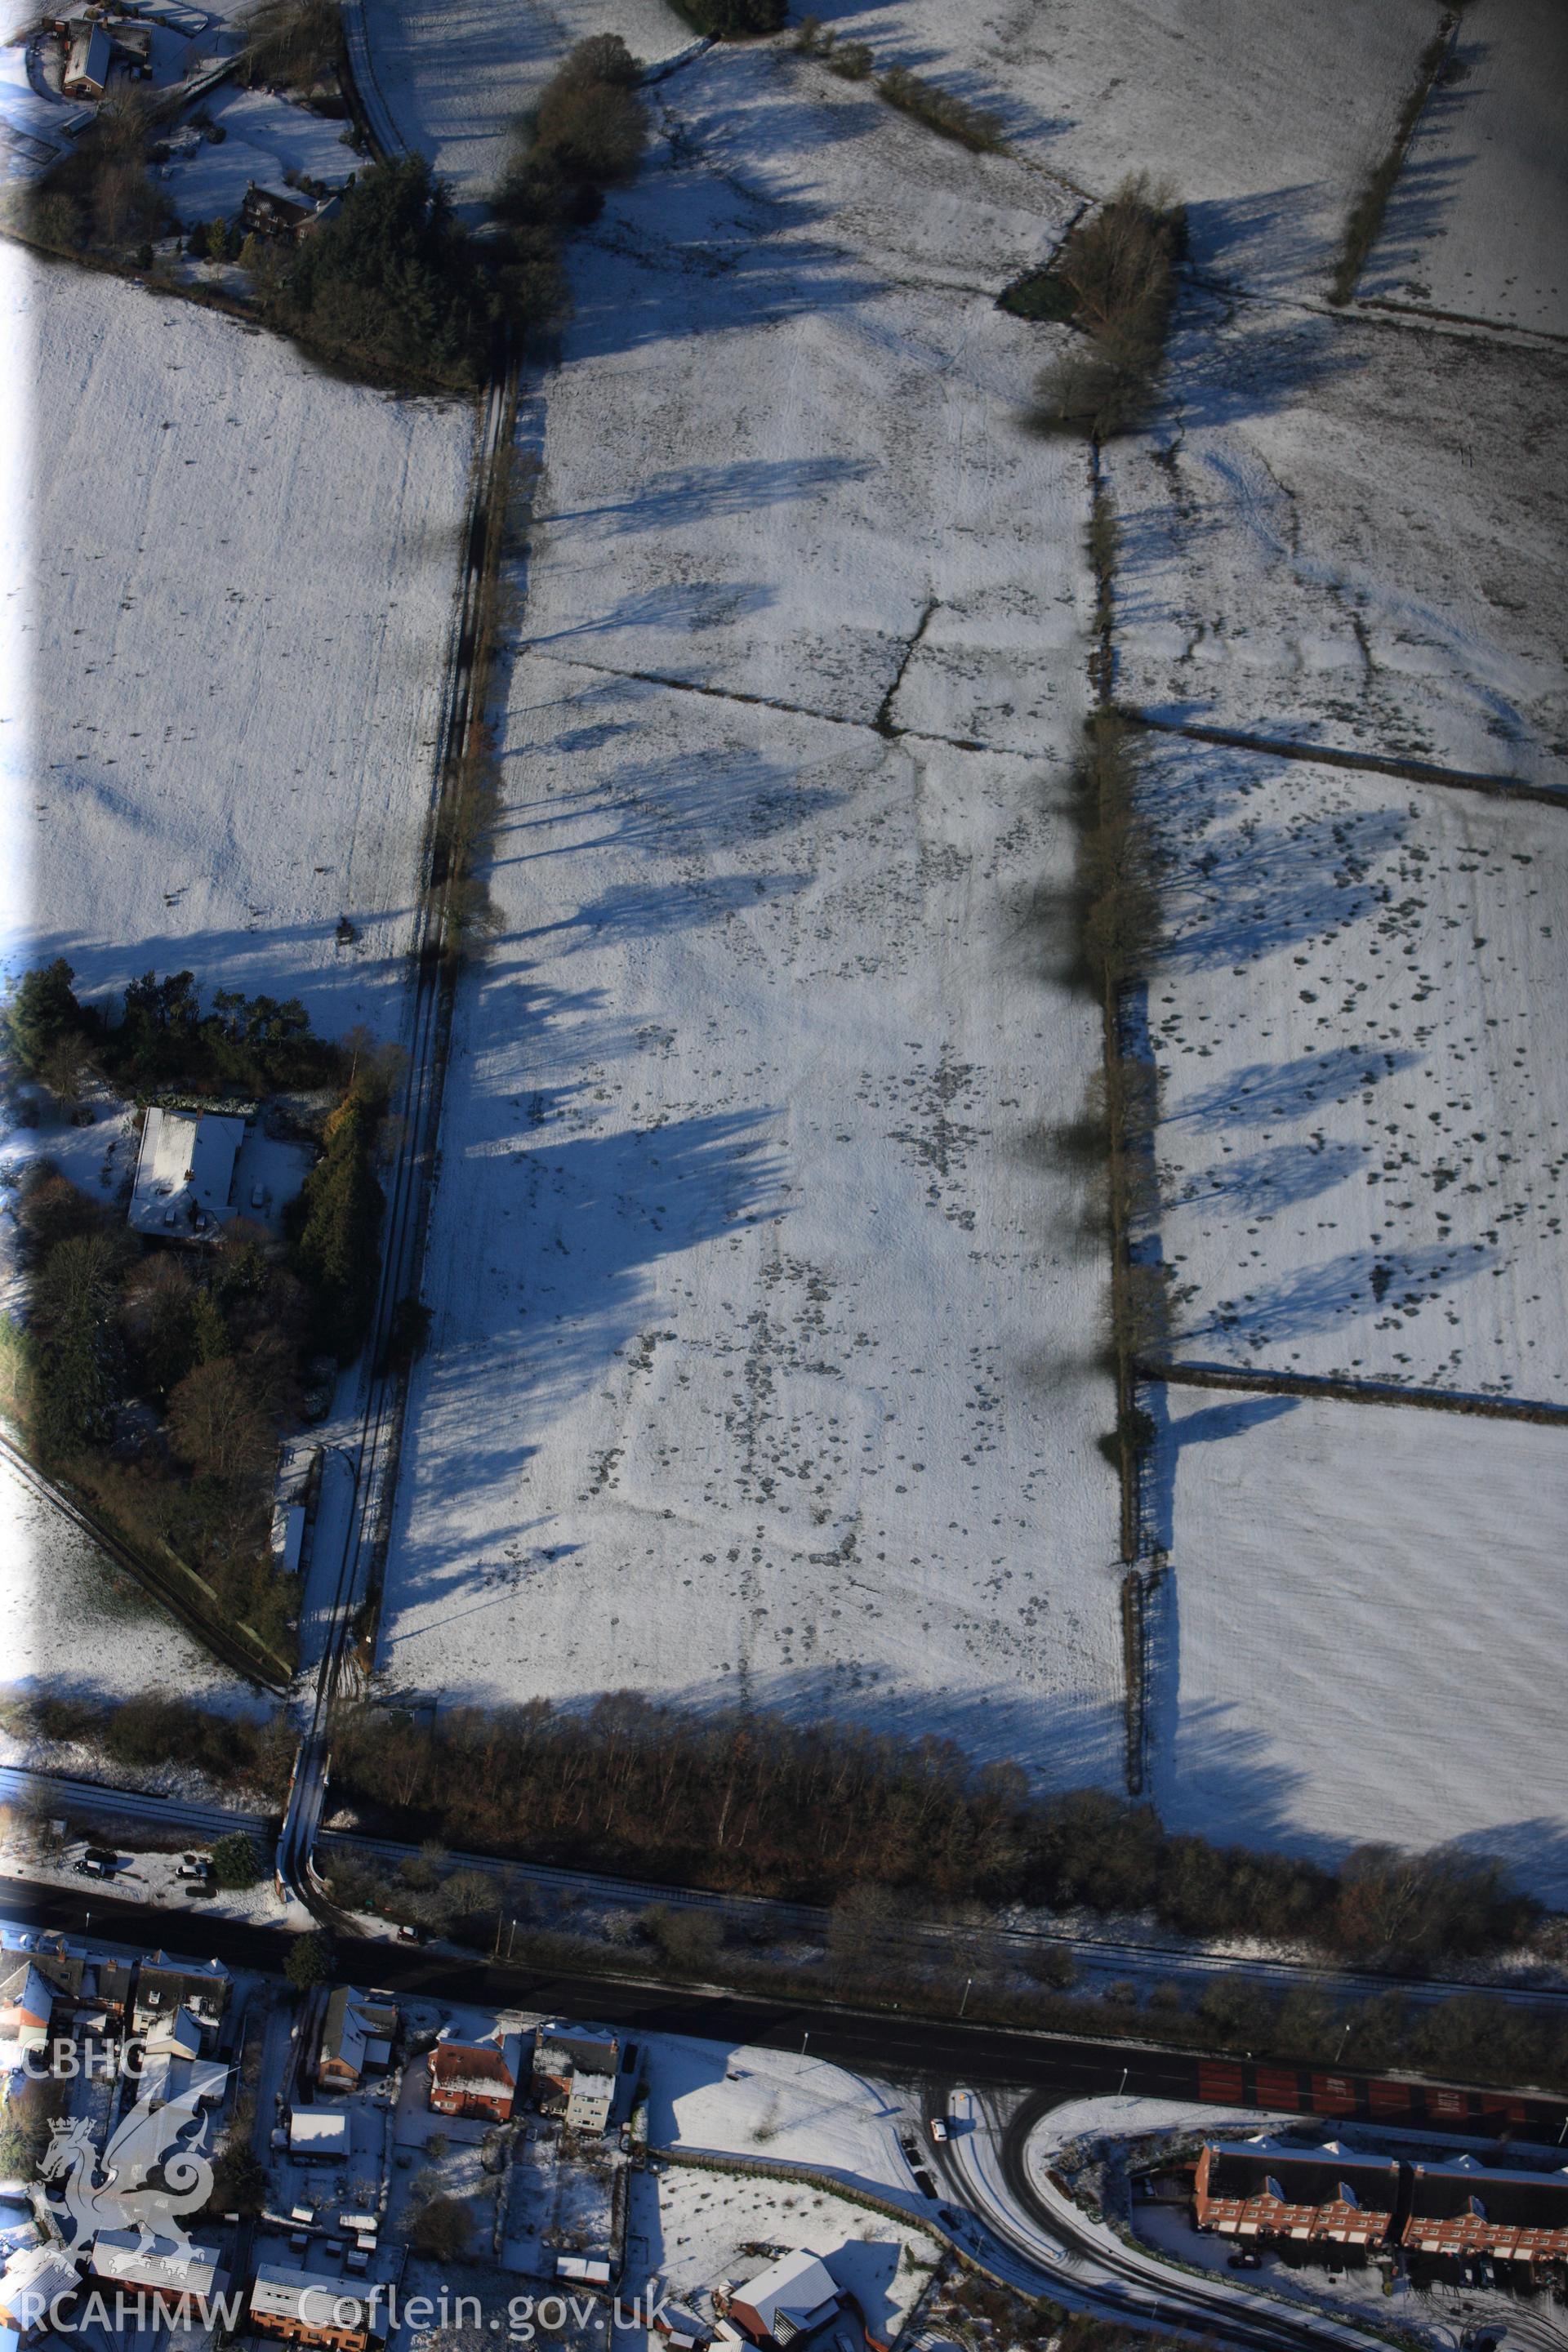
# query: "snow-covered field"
1477,222
454,75
1364,1129
1350,534
239,576
1261,115
72,1623
1355,1635
763,1359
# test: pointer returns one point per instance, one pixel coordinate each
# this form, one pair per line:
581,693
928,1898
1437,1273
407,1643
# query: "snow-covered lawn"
766,1316
1354,1639
700,2229
239,576
1350,533
73,1625
266,138
454,75
779,2104
1364,1129
1261,115
1478,219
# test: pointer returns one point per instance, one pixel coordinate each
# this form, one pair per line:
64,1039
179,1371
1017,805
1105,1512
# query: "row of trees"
160,1035
752,1803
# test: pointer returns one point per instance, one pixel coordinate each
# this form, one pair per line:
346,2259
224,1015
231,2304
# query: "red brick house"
1256,2190
1464,2209
476,2078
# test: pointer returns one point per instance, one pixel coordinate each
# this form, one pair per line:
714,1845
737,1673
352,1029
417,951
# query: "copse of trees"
586,133
734,20
751,1804
1115,277
159,1036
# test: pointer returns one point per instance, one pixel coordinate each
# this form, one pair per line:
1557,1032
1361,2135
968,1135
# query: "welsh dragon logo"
117,2191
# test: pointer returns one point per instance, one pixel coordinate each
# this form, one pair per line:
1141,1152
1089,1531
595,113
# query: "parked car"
938,2129
1244,2259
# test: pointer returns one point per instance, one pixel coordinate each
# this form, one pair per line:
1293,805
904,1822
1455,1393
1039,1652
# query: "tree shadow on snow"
700,800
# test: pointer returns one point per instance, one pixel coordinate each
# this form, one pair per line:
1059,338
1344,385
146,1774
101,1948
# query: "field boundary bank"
169,1589
1328,755
1310,1384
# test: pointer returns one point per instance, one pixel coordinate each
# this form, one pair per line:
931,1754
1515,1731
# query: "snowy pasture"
1262,116
1350,534
239,576
454,75
1352,1645
1478,219
1363,1127
764,1358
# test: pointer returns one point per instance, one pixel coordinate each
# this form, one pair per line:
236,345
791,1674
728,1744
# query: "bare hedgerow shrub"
1120,269
953,118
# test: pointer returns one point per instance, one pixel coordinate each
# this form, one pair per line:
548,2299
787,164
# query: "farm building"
792,2296
100,50
302,2308
283,212
1261,2190
476,2078
574,2070
1464,2209
357,2034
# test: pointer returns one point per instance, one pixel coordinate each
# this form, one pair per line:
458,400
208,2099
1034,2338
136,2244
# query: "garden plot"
1343,535
1356,1630
697,2229
454,75
1477,221
777,2104
766,1321
241,579
1262,116
71,1624
1364,1122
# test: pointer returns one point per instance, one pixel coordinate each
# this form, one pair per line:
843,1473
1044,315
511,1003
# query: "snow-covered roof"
796,2288
179,2035
30,2281
307,2296
185,1169
319,2131
194,2271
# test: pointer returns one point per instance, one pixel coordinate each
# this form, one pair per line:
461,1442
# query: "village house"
184,1182
1257,2189
186,2281
575,2071
31,2282
173,2066
790,2298
286,212
476,2078
303,2308
357,2035
26,2014
1465,2209
163,1989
